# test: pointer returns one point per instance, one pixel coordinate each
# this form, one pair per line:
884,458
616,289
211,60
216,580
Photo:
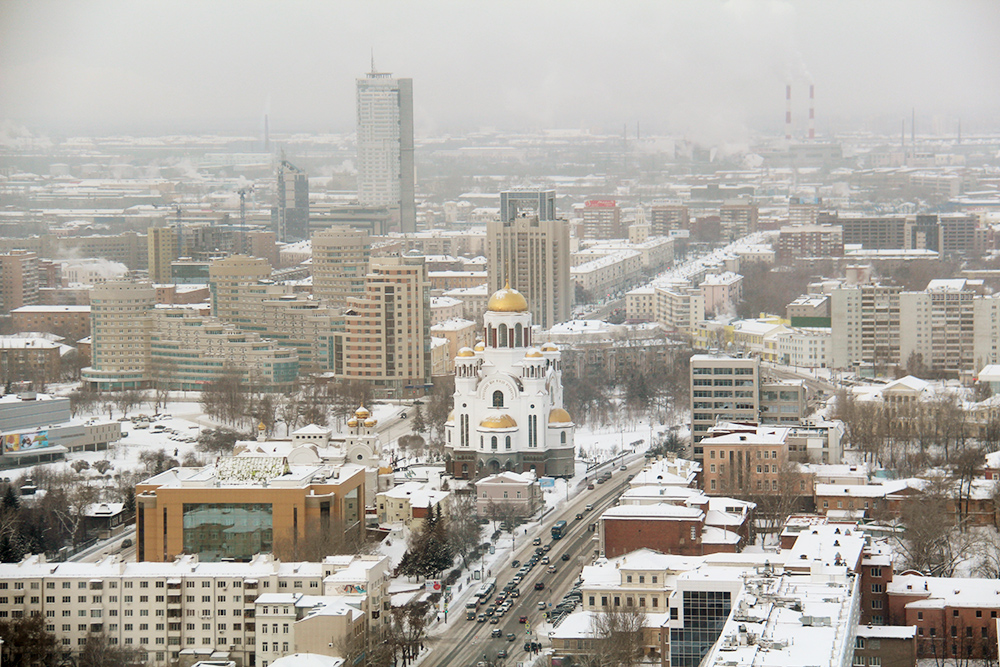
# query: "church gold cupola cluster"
508,412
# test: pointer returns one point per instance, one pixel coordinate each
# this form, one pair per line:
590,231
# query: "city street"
467,642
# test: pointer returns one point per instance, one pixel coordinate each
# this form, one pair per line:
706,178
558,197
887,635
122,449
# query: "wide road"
466,642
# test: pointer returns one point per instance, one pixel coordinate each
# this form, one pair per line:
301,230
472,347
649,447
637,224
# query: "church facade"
508,411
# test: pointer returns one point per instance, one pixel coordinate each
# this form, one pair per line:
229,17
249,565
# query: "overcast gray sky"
707,69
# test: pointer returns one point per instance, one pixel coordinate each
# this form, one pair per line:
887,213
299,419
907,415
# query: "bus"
558,530
485,591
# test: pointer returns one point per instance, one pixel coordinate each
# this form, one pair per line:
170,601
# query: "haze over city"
709,71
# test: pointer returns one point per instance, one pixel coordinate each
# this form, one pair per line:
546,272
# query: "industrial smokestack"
267,136
812,113
788,112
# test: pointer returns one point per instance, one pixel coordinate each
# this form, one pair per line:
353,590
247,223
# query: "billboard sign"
433,586
601,203
547,482
22,442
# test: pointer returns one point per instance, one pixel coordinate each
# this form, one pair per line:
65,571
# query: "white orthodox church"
508,400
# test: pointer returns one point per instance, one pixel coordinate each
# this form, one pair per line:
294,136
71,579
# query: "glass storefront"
215,531
705,612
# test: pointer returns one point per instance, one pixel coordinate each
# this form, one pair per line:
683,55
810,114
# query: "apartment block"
737,218
386,331
664,219
18,280
120,327
802,241
340,257
940,326
865,323
163,248
186,610
602,219
68,322
532,255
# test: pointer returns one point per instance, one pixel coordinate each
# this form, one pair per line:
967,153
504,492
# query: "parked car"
590,486
515,563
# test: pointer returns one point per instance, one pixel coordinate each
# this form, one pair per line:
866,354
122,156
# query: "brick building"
69,322
800,241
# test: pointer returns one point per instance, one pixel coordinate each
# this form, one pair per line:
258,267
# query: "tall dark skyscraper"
291,214
385,145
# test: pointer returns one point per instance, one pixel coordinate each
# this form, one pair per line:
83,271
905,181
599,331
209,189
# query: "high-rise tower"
385,145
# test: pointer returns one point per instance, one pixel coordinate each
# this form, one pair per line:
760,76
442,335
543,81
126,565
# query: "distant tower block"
812,112
788,112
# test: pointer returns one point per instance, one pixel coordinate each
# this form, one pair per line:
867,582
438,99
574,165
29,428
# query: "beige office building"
533,256
162,246
228,279
340,258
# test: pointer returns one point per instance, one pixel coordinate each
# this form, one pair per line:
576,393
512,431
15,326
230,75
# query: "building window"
876,588
498,399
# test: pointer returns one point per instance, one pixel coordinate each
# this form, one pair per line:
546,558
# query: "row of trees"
26,643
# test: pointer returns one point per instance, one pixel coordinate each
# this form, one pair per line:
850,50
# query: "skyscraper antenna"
373,60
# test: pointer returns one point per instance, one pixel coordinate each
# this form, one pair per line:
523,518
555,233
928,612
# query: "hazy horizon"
711,71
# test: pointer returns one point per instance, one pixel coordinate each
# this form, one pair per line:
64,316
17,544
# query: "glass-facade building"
705,613
214,531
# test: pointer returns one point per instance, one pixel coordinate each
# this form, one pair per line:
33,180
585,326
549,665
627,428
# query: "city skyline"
712,72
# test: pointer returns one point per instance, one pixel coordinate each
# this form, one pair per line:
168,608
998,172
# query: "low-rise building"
517,493
409,504
69,322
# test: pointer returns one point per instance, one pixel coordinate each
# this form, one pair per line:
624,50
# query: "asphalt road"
466,642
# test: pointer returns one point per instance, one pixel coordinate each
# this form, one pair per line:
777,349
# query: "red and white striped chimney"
812,113
788,111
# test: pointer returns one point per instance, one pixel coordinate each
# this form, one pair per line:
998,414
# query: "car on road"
515,563
623,467
491,610
579,515
511,636
537,540
552,569
545,560
539,550
541,604
496,632
481,619
588,508
515,592
494,620
502,653
470,615
600,480
539,585
564,557
590,487
523,619
547,548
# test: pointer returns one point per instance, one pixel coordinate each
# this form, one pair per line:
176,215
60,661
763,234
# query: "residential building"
69,322
18,280
594,348
120,327
228,279
939,326
783,402
607,274
722,292
747,462
532,255
410,504
875,233
245,505
187,609
737,218
163,248
665,218
517,493
340,257
865,322
804,241
27,358
385,145
602,219
386,331
508,412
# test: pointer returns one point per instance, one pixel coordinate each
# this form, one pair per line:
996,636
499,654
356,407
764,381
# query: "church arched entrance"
493,466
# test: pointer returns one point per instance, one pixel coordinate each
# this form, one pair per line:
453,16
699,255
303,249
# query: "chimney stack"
812,113
788,112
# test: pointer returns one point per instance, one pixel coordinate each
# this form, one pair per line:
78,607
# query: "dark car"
600,480
547,548
515,563
494,620
579,515
511,636
502,653
564,557
496,632
540,586
539,550
537,540
590,486
515,592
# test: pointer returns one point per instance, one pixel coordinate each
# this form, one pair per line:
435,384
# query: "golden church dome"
361,413
370,422
480,346
550,347
499,421
533,353
352,422
466,352
559,416
507,300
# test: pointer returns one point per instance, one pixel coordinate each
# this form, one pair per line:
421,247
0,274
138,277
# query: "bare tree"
100,652
463,526
931,540
407,630
618,636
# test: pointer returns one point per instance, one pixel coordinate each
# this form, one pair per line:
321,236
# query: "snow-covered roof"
659,511
938,592
887,488
417,493
509,477
308,660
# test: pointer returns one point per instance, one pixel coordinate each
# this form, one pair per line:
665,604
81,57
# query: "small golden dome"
550,347
370,422
480,346
507,300
533,353
362,413
499,421
261,427
466,352
559,416
352,423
